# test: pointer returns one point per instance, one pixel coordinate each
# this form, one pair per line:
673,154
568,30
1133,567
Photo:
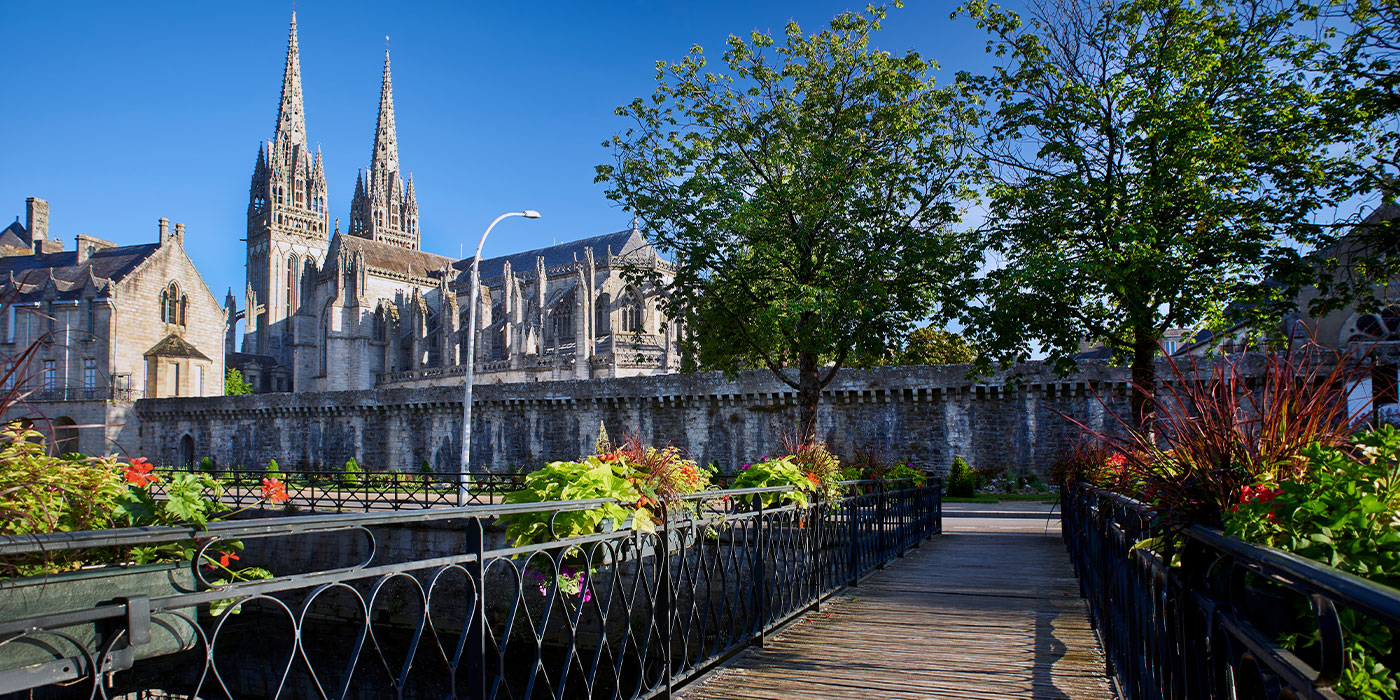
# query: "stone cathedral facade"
330,310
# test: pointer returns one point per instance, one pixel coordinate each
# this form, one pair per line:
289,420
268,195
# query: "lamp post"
463,492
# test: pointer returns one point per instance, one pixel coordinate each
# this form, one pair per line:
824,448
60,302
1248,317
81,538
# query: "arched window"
602,312
172,305
325,340
293,271
561,320
630,315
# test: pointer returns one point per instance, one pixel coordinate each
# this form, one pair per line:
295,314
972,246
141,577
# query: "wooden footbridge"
990,609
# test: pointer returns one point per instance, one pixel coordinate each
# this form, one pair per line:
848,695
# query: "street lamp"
463,495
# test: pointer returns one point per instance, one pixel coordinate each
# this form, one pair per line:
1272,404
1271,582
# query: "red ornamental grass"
1217,429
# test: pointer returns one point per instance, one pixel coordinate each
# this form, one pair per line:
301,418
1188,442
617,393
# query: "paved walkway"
989,610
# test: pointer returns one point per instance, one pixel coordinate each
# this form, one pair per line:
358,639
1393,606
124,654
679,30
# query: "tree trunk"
1144,373
809,392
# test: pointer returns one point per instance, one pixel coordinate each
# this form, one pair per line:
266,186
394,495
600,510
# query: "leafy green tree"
1360,69
935,346
234,384
1146,161
807,191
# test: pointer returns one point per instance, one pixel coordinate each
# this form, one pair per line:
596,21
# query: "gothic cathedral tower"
287,228
384,208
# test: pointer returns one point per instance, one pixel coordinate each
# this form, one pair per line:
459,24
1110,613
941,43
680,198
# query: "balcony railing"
80,393
1196,614
352,612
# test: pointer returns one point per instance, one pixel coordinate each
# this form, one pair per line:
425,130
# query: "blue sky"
121,113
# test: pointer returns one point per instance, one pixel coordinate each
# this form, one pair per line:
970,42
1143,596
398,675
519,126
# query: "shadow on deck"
971,614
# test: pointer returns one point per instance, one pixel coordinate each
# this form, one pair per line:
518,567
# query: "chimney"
180,233
36,219
84,247
164,230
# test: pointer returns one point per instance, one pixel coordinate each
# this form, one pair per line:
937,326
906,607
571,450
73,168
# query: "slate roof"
174,346
392,258
621,242
26,277
14,236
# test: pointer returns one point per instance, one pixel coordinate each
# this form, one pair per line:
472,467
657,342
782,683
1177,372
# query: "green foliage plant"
780,471
962,481
234,385
588,479
350,475
57,494
1343,510
808,187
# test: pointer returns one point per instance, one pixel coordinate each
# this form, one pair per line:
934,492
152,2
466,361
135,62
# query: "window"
197,381
9,323
172,305
89,374
292,268
631,313
601,323
174,379
50,374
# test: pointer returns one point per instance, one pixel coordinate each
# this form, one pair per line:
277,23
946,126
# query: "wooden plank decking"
967,615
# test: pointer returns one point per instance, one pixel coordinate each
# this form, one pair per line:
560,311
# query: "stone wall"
927,415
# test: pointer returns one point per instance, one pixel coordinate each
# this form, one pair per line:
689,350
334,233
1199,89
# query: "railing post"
760,574
475,650
880,543
852,545
814,552
665,597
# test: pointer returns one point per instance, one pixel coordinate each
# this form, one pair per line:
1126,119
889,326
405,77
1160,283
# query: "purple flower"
743,467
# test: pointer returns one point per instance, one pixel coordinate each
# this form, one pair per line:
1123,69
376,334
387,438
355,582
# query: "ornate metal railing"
1195,614
338,492
435,603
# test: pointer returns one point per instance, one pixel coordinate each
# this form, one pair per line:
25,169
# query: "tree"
1360,70
807,193
935,346
923,346
1146,160
234,384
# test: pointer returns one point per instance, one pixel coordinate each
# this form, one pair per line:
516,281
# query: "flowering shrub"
810,469
1341,509
58,494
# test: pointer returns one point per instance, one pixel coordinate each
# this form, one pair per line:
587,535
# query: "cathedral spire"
385,163
291,118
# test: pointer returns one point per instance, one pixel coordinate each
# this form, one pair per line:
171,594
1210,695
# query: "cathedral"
331,310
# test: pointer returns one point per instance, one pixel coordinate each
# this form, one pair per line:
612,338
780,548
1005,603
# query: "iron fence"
1195,614
632,612
337,492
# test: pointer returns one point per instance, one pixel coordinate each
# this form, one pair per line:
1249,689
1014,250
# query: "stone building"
327,310
86,332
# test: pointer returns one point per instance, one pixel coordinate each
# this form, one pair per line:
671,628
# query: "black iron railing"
337,492
434,603
1196,614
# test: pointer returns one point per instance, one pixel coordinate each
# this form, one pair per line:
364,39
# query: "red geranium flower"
139,473
274,492
226,557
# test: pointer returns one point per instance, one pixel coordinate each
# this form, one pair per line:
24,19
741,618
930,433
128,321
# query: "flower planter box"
43,658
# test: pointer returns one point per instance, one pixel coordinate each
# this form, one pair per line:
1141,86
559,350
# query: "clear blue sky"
121,113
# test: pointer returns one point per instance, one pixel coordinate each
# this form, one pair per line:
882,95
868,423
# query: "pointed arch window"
293,272
602,315
630,316
325,340
173,304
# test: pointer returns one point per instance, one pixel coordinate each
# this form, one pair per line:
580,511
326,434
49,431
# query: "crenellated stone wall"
927,415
